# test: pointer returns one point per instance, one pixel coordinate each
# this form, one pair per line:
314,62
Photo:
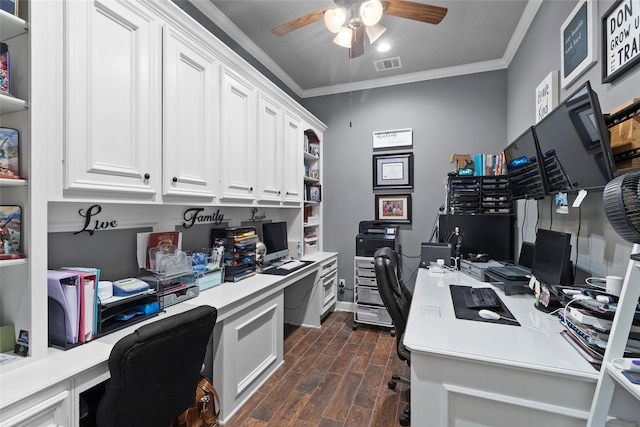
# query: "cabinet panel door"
292,168
269,150
112,99
238,137
191,75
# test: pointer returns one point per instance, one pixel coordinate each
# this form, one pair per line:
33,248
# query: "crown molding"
219,19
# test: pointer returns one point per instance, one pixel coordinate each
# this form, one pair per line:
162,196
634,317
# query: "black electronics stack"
479,195
239,251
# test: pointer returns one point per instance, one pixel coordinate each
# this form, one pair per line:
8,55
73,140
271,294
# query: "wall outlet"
341,283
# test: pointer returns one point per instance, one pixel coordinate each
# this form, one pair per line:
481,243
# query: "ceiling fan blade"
357,43
300,22
416,11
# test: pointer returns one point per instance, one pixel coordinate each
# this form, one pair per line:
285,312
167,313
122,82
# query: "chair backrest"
155,370
395,296
395,260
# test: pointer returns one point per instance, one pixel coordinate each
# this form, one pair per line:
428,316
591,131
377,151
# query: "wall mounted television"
524,168
574,143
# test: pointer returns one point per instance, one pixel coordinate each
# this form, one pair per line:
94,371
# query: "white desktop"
476,373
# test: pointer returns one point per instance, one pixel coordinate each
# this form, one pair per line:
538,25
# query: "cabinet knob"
147,176
250,188
280,192
174,179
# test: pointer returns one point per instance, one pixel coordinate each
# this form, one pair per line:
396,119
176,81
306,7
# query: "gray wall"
599,250
465,115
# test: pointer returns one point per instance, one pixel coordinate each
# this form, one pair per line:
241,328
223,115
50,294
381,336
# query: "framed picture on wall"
577,44
393,171
620,37
393,208
390,139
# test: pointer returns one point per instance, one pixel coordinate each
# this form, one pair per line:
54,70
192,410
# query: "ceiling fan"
352,18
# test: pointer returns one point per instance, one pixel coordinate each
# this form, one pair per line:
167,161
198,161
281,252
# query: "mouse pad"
462,312
282,271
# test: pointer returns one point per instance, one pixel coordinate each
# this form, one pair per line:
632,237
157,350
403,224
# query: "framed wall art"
578,42
393,208
393,171
620,38
389,139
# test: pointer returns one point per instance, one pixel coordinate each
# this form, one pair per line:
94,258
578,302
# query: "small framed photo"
393,171
314,193
393,208
10,232
577,44
9,153
620,36
314,173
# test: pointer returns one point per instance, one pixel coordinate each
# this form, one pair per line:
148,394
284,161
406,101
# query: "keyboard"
481,298
291,265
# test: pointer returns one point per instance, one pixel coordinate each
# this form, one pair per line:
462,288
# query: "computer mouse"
488,314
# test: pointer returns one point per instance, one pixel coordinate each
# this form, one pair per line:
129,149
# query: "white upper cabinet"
112,101
190,116
292,172
269,150
238,138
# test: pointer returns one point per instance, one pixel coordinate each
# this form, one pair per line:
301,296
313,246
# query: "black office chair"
397,299
155,370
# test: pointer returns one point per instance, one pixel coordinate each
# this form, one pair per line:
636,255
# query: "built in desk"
475,373
246,347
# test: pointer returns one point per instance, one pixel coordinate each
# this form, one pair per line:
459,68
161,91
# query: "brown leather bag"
204,411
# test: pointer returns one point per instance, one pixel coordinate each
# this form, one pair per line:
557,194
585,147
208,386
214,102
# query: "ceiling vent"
388,64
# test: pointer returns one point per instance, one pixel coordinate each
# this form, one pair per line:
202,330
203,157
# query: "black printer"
373,235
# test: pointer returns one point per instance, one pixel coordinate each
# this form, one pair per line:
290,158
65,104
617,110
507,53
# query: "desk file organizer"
63,308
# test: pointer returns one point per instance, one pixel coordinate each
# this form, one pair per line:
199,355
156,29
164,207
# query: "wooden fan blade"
357,42
300,22
416,11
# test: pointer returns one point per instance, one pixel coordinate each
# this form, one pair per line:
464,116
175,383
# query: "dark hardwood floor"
331,377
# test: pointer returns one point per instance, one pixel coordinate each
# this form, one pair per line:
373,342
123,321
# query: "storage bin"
368,314
625,136
206,281
369,296
367,281
365,263
365,272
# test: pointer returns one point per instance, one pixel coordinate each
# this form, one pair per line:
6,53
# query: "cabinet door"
112,98
292,168
238,137
269,150
191,76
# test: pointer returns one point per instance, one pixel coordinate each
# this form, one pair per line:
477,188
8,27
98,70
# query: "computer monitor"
574,143
551,257
274,237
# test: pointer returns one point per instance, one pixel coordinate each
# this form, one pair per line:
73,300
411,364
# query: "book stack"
312,144
588,328
489,164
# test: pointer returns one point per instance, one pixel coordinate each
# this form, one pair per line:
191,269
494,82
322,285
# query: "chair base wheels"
405,417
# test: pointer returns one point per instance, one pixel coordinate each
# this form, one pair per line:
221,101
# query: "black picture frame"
615,62
395,208
393,171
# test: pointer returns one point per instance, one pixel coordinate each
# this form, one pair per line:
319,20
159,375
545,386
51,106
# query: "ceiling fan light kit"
351,19
344,37
371,12
335,18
